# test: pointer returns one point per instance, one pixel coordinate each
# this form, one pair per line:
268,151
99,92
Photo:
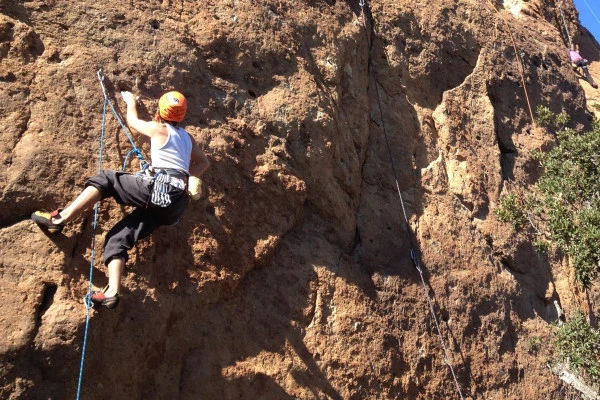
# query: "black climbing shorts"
134,190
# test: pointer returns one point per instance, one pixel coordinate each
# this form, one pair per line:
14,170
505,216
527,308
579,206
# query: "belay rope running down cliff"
144,167
413,254
562,15
518,58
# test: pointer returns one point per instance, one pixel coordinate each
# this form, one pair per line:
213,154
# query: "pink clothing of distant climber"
579,62
575,56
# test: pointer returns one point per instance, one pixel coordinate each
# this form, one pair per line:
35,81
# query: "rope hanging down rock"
86,299
144,166
562,15
413,254
135,150
518,57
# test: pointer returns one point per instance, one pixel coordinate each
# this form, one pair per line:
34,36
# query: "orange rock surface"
291,278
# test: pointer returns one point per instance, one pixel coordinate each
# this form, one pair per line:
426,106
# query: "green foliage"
516,211
566,133
541,246
570,185
561,120
548,119
595,124
545,117
560,223
533,344
585,245
512,211
579,343
568,202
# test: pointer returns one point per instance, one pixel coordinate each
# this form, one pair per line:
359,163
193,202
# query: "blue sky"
589,15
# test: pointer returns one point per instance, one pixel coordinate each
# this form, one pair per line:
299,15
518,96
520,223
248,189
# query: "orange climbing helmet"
172,106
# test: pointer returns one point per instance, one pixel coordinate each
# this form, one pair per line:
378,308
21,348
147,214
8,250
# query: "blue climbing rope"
87,301
144,165
139,155
135,151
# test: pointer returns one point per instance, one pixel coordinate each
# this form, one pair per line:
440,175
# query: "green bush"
541,246
548,119
545,117
533,344
579,344
566,199
565,204
561,120
570,187
512,211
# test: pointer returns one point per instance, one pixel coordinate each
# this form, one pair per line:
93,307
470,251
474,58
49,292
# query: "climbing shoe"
44,220
98,299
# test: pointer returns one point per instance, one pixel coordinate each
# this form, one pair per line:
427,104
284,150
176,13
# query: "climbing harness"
145,167
562,15
413,254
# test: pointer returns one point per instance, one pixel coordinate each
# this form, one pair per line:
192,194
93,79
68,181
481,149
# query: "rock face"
292,276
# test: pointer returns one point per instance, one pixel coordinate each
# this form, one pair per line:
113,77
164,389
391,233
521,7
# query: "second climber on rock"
577,61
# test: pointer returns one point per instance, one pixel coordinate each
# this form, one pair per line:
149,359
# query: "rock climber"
159,198
578,61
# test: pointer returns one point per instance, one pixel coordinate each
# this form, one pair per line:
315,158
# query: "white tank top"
175,153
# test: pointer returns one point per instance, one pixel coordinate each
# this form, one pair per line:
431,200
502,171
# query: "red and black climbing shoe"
44,220
99,299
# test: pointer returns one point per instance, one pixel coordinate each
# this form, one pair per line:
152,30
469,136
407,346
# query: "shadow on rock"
532,272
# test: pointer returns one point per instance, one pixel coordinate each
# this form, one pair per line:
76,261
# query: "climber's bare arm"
152,129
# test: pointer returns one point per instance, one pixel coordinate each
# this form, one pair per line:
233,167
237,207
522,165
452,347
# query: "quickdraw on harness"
160,191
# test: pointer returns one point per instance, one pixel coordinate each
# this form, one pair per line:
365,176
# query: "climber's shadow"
259,328
531,269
